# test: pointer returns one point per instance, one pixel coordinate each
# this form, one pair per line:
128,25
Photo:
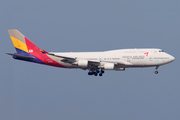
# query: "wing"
73,60
91,63
65,59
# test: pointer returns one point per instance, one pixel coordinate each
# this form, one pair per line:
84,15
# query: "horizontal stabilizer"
21,56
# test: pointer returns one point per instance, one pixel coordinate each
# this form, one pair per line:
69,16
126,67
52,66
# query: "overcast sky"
31,91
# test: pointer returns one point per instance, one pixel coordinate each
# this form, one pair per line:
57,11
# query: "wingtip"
8,53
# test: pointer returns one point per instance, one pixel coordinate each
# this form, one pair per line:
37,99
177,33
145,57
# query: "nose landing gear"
156,72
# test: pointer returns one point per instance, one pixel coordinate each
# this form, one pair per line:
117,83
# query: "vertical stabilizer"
28,51
18,40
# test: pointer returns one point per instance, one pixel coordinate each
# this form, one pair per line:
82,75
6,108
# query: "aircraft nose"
171,58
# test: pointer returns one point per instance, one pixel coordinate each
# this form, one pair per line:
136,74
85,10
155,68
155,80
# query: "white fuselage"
125,57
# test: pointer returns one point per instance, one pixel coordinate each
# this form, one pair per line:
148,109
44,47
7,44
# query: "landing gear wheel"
89,73
102,71
95,73
156,72
100,74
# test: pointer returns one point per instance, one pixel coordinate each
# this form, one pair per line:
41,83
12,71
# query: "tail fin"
22,44
28,51
18,40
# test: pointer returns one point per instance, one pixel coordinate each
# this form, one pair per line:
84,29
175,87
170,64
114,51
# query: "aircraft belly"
142,63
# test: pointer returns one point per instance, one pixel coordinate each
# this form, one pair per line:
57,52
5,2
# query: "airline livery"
95,62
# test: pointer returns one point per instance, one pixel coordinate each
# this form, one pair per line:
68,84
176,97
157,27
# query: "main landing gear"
95,73
156,72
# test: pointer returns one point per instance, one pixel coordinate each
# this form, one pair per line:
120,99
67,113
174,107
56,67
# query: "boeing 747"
95,62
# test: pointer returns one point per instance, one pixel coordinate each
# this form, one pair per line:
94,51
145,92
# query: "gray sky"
35,92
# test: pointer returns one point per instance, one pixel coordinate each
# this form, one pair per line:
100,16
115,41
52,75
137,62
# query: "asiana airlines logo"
146,53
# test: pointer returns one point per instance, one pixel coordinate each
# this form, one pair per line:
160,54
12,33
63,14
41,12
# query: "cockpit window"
161,51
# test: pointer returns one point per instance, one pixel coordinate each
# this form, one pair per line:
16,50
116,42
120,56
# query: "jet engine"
119,69
83,63
109,66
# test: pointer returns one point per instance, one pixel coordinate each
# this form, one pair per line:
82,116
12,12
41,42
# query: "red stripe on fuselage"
34,50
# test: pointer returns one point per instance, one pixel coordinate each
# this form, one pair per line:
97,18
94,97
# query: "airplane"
95,62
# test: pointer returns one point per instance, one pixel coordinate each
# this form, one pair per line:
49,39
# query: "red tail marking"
43,57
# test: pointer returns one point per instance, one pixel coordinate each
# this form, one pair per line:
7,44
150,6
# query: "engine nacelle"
119,69
83,63
109,66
